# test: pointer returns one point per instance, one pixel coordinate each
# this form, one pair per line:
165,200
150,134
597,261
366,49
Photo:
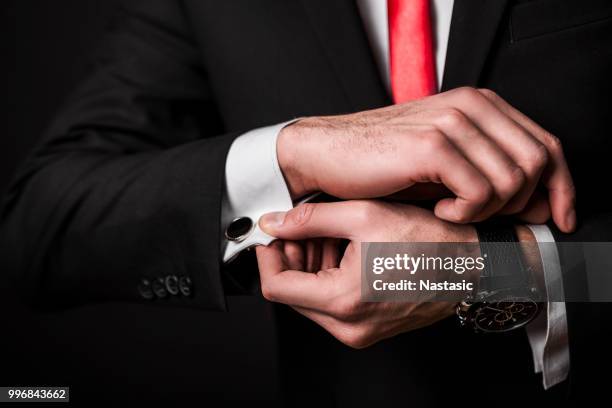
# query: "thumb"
313,220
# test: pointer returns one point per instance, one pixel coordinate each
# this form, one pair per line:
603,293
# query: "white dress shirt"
255,186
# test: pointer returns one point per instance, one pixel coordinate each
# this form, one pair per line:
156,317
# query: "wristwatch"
506,296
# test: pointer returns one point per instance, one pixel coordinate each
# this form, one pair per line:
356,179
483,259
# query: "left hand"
326,289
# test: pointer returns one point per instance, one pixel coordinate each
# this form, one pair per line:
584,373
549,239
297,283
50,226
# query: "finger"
445,164
331,254
522,147
270,259
315,220
298,288
295,255
290,287
557,177
313,255
537,210
504,175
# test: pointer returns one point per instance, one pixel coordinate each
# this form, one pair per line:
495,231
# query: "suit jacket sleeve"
127,183
594,226
589,330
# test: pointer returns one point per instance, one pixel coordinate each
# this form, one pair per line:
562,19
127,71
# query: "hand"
488,154
331,296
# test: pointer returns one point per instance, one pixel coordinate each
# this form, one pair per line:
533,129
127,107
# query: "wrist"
293,159
531,253
470,235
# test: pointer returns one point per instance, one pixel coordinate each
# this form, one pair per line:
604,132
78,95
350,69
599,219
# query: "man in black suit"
130,194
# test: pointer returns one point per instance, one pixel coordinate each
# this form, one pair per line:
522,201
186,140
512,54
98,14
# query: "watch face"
504,315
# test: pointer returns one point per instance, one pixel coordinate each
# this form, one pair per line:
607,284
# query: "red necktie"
413,74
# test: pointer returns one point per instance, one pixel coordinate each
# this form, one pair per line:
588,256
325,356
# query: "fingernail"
570,220
272,221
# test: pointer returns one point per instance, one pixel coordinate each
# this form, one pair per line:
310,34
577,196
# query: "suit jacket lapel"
474,26
339,32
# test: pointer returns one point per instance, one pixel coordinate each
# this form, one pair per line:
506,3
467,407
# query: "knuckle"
483,193
301,214
293,251
364,212
538,159
480,195
452,117
353,336
267,292
488,93
468,94
554,143
434,141
511,183
465,91
347,309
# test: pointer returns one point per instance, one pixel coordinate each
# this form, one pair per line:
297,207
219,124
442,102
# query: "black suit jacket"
127,183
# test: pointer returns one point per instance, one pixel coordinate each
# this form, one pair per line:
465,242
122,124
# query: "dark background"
110,352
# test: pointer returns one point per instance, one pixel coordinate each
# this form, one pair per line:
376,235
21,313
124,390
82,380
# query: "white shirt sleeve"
548,333
254,185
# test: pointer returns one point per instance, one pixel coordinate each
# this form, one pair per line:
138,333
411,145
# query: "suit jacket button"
145,290
159,288
172,284
185,285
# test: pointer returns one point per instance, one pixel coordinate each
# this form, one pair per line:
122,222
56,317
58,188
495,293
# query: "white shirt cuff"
548,333
254,185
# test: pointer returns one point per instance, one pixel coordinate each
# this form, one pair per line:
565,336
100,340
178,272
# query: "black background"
110,352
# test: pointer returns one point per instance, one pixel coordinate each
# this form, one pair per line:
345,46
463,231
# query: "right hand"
488,154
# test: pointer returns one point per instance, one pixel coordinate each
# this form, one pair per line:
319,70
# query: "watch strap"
504,266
